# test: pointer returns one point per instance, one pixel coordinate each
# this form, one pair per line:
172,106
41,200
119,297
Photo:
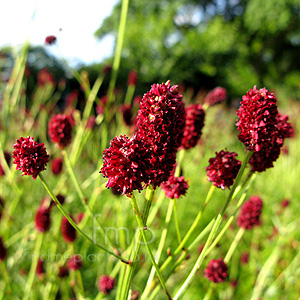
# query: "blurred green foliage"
205,43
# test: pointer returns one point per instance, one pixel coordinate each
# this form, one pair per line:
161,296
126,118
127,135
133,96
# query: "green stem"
131,268
117,57
209,292
83,199
237,180
250,178
160,248
142,230
7,278
265,271
71,221
176,221
192,228
200,258
217,222
35,259
234,244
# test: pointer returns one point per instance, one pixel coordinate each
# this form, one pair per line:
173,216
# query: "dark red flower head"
160,122
265,157
194,122
56,166
63,272
175,187
106,284
42,219
7,157
132,78
126,164
60,130
60,198
30,157
75,262
127,114
40,270
223,169
68,231
50,40
285,128
216,271
257,121
250,213
3,251
216,96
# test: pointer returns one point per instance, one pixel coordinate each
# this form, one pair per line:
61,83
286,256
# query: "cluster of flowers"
262,128
149,156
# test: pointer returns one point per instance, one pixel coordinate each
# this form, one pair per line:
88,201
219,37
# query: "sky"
73,22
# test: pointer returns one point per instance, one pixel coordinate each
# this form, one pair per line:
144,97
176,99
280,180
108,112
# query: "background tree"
202,44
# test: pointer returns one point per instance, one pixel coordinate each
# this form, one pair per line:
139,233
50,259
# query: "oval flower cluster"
216,96
60,130
223,169
175,187
30,156
250,213
216,271
194,122
149,156
160,122
258,119
262,128
264,159
126,164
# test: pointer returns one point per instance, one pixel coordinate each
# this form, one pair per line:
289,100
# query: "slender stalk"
179,162
131,268
200,258
209,292
237,180
6,277
176,221
192,228
217,222
265,271
142,230
71,221
250,178
86,113
83,199
160,248
234,244
35,258
117,56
